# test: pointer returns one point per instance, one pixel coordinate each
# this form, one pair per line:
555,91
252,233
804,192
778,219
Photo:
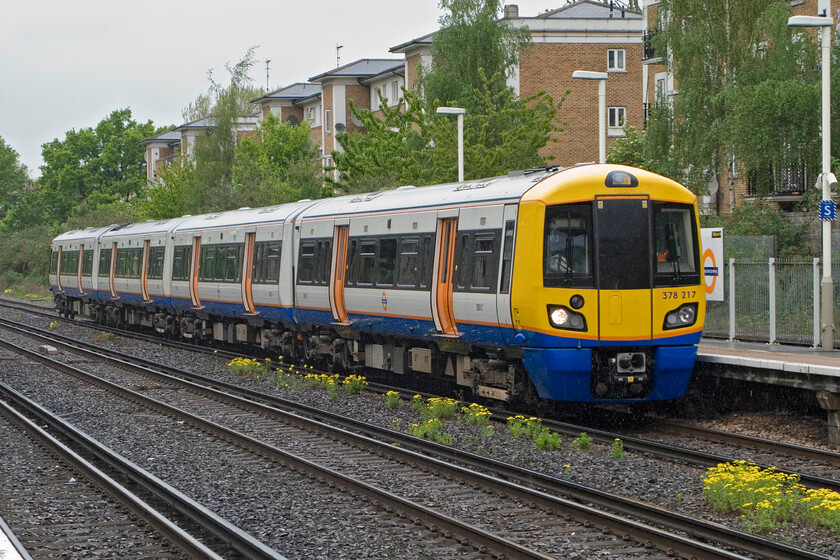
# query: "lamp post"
602,108
460,113
824,22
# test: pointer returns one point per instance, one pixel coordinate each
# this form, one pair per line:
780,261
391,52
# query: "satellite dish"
713,185
357,122
339,127
292,120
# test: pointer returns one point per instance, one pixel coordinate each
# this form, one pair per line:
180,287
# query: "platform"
797,367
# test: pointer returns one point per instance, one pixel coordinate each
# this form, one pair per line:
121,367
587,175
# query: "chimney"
511,11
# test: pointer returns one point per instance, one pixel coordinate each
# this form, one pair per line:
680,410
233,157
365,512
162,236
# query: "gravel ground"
635,475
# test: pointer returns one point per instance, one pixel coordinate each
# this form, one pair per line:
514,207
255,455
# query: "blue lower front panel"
564,374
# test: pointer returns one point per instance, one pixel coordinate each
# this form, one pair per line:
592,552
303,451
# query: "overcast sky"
68,64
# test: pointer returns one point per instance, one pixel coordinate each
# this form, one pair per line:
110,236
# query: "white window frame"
395,93
616,60
616,117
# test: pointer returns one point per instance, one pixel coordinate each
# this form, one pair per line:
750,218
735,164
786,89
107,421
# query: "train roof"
244,216
508,187
85,233
144,228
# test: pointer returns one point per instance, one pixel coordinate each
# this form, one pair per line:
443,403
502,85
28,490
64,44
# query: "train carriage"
73,259
578,284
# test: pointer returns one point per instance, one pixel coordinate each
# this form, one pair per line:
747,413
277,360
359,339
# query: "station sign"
712,262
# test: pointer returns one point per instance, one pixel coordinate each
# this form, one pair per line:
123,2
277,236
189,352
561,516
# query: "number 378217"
679,294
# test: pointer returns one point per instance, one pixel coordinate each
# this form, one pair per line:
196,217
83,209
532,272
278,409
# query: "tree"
240,88
747,88
473,50
225,172
280,164
106,160
14,177
473,54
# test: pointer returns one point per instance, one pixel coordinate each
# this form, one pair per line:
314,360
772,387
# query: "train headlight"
562,317
683,316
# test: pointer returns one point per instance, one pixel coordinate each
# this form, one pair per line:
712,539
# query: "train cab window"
181,262
507,257
567,246
266,262
104,262
675,243
408,264
387,262
154,268
367,261
483,262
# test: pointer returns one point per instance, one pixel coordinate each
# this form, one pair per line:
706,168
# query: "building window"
615,60
615,121
395,92
328,121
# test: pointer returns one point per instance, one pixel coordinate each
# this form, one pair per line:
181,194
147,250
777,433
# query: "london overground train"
568,284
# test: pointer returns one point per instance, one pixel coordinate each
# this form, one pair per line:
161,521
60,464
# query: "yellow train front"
610,305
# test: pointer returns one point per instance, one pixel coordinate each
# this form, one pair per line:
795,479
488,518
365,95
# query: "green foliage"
582,442
748,87
354,384
104,161
278,164
393,399
547,440
431,429
14,177
471,45
617,451
418,147
412,145
760,218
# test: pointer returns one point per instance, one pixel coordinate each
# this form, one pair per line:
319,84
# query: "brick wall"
326,105
549,66
361,99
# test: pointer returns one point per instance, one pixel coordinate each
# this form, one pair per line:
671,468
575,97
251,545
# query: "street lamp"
602,108
825,23
460,112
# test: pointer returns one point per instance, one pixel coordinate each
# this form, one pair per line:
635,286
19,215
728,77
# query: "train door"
248,274
112,282
339,266
144,271
196,255
622,233
79,270
58,268
442,277
503,309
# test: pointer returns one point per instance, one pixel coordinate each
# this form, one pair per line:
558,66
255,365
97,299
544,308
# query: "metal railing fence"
775,301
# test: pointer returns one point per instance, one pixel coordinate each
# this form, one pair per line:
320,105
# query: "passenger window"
181,262
104,262
462,261
387,262
350,272
367,262
408,267
482,276
306,265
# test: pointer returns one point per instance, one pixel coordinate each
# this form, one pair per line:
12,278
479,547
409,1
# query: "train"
578,284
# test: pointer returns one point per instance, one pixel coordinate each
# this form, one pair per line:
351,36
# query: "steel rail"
177,536
435,521
650,514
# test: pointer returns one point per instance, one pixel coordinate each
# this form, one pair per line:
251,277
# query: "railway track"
534,508
57,502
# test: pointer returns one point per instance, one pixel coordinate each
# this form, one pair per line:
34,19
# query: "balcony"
771,182
648,51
